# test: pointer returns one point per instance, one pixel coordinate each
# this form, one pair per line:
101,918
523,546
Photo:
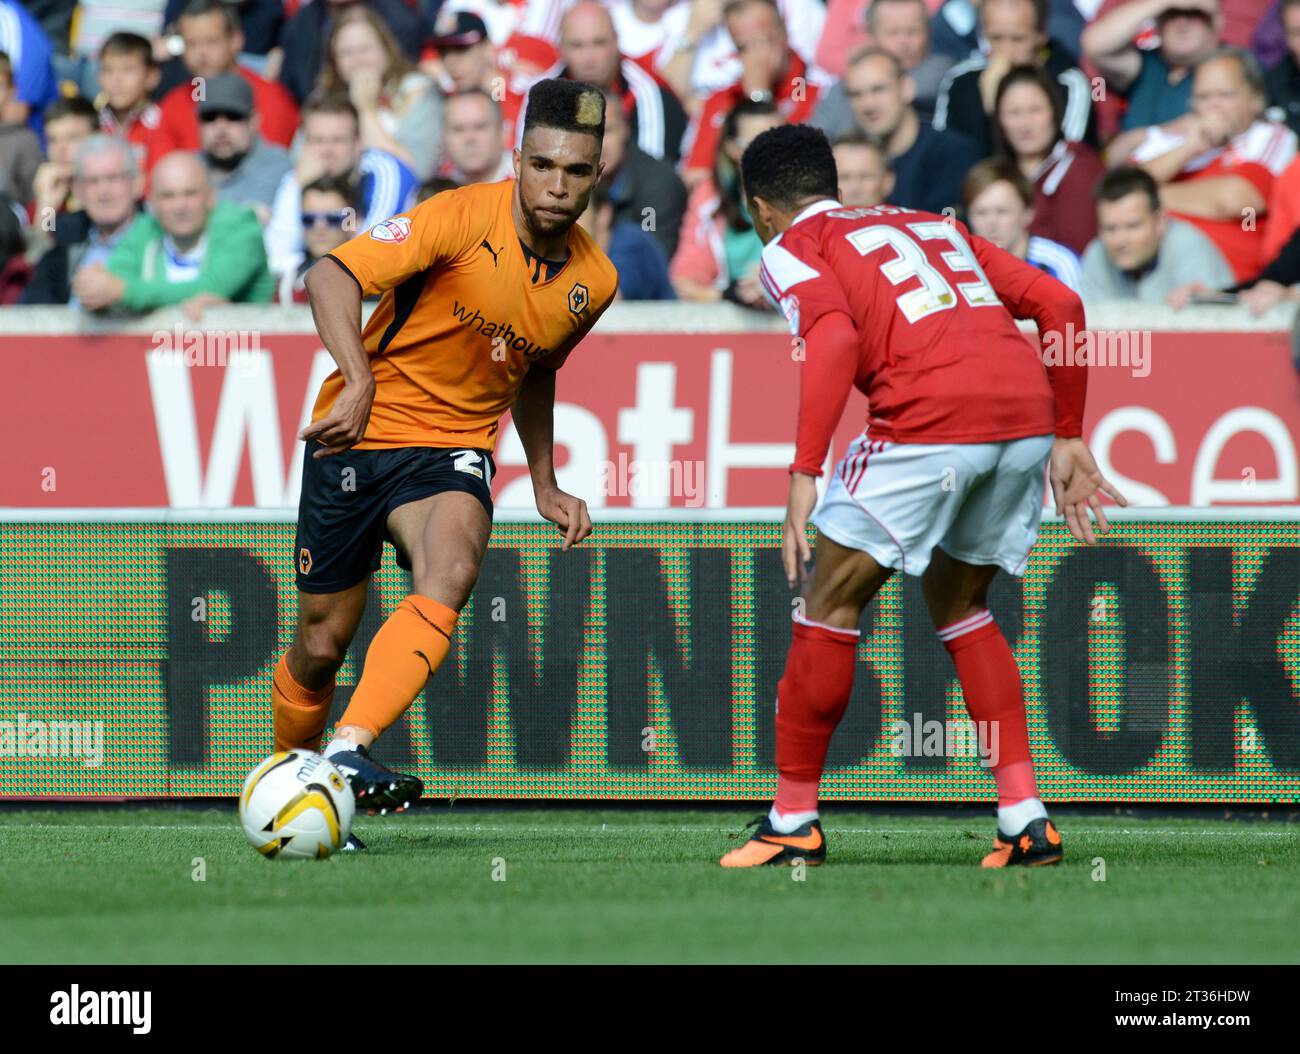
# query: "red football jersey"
940,357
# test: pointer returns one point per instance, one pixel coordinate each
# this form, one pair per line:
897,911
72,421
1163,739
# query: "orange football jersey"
460,320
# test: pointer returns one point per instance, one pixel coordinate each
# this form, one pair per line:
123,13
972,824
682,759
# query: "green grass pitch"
117,885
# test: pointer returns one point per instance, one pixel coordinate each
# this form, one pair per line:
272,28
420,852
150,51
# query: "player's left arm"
1028,293
534,416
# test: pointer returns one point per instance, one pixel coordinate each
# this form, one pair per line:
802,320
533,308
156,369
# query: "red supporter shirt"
796,98
179,127
1259,155
933,309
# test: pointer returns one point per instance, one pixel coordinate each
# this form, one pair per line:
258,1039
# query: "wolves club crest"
579,298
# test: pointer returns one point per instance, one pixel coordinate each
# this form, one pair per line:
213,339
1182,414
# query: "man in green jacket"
189,249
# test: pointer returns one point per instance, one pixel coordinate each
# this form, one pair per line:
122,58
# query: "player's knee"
948,605
450,583
320,649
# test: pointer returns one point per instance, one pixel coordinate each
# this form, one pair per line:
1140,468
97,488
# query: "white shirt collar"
816,208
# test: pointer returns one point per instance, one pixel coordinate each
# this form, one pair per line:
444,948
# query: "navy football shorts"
346,500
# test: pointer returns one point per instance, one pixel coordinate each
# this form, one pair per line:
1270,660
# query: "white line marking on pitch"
617,829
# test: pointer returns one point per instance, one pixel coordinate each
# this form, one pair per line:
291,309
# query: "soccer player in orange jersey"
486,290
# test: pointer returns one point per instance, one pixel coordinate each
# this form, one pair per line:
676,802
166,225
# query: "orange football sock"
298,714
406,651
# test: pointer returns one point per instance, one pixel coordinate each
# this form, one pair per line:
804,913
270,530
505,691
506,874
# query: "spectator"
707,58
1283,210
96,22
400,107
128,76
1000,207
68,123
523,36
641,188
243,167
928,165
1277,283
332,146
902,28
213,41
107,181
1283,80
1157,84
261,22
1140,253
864,176
431,188
648,29
641,264
303,38
189,249
1274,285
30,52
1216,166
718,254
771,71
470,60
474,149
955,28
1027,130
589,52
330,217
20,147
1016,32
14,268
845,30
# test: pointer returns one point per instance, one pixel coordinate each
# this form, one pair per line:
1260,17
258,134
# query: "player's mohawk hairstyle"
789,165
571,106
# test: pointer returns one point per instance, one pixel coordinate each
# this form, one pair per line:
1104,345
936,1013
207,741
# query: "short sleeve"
391,251
801,283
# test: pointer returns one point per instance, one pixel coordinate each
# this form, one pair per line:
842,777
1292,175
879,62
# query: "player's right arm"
335,299
392,251
825,379
1028,293
805,288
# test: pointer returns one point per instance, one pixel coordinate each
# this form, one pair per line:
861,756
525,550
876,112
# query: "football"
295,805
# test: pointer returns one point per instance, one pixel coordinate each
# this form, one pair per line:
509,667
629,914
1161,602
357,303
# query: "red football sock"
990,684
811,699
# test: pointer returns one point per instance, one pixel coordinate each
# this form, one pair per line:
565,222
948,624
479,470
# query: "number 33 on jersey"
939,361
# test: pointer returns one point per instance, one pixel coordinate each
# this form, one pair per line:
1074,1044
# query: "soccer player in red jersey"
945,483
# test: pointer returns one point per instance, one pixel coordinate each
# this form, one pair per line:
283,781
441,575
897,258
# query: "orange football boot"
1038,845
769,846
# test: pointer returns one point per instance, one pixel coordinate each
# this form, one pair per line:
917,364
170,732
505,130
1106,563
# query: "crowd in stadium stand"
201,152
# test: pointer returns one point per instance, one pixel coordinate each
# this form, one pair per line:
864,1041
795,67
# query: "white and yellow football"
296,805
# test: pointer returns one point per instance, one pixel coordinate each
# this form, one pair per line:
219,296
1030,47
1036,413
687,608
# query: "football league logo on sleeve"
395,230
578,298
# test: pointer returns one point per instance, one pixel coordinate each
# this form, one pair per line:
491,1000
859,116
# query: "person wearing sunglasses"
244,167
330,216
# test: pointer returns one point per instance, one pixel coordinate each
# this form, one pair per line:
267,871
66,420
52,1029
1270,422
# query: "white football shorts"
981,502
